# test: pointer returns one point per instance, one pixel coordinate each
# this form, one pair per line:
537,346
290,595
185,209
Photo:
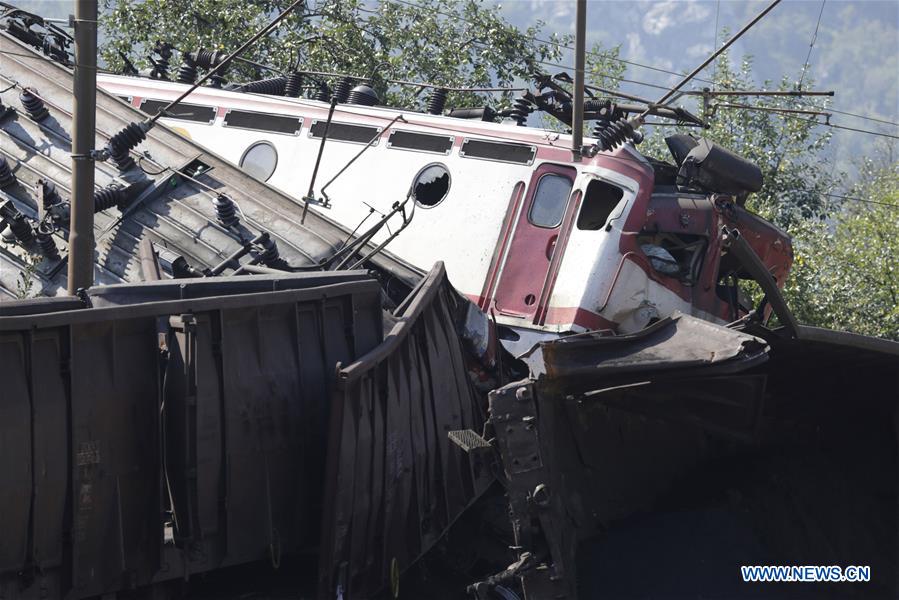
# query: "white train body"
542,242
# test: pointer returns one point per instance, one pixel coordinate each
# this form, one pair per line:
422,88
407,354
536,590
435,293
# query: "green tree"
457,43
846,272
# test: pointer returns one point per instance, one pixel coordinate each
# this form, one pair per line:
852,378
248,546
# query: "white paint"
463,229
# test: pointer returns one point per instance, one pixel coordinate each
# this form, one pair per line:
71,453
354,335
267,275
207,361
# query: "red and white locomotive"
545,243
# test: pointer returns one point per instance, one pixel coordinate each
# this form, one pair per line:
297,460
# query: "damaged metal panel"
604,424
395,482
223,397
674,343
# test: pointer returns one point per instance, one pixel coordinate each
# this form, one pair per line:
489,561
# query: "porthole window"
260,160
431,185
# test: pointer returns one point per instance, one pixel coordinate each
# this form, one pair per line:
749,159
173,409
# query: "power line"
877,133
805,65
831,125
854,199
867,118
536,39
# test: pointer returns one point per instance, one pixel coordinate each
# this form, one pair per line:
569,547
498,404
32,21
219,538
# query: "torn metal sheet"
605,426
395,482
677,342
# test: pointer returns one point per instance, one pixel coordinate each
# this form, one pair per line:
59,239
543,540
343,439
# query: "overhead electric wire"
854,199
811,45
867,118
866,131
788,116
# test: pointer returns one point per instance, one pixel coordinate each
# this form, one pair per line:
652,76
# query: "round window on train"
260,160
431,185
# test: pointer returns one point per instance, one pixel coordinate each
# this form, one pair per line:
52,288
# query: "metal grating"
345,132
509,152
183,111
259,121
422,142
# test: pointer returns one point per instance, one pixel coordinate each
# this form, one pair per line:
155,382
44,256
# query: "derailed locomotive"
609,399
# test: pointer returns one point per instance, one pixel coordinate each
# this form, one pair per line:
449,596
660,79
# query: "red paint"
502,243
525,272
557,253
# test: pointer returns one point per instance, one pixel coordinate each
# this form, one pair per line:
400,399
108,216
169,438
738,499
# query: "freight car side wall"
98,411
394,480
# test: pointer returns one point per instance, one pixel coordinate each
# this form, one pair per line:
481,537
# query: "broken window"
431,185
550,200
599,201
674,254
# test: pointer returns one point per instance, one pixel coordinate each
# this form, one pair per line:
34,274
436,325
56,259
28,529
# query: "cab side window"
599,202
550,200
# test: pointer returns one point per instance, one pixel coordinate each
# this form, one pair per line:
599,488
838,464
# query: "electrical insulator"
521,108
106,198
22,229
7,177
121,144
437,101
187,72
160,68
51,196
270,254
324,93
342,90
33,104
225,210
274,86
210,59
615,134
294,85
46,242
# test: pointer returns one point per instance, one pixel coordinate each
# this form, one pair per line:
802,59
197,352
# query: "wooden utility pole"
577,116
81,232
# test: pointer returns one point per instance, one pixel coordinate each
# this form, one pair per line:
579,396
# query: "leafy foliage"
456,43
846,273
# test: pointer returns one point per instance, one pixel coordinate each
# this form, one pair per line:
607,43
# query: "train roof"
169,197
